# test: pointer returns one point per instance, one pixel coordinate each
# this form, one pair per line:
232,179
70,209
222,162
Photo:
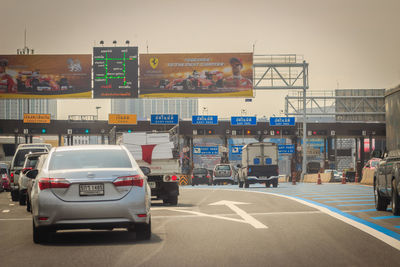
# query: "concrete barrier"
368,177
312,178
283,178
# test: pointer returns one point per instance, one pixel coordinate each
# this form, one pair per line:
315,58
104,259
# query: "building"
143,108
14,109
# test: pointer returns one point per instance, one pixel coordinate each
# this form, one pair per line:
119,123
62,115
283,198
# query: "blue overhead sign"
205,150
282,121
285,149
164,119
244,120
236,150
204,120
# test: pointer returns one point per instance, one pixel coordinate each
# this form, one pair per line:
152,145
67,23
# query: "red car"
4,178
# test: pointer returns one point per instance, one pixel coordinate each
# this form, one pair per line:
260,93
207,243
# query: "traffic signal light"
129,131
248,132
209,131
44,130
317,132
81,131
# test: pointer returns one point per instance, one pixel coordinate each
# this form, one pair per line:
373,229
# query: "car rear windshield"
31,162
20,156
200,171
93,158
223,168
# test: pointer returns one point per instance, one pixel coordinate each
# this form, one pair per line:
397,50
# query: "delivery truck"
259,164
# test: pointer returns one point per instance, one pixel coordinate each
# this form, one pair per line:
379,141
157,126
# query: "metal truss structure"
344,108
283,72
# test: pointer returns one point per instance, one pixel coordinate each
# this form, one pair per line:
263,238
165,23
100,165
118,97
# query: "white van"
17,164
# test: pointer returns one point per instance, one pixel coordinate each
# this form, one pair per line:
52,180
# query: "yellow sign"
154,62
36,118
122,119
183,180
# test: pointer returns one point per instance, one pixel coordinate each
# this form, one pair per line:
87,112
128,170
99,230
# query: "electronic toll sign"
115,72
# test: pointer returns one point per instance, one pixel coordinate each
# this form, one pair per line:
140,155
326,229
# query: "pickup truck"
387,173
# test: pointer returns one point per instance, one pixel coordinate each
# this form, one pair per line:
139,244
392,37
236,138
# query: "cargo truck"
259,164
156,151
387,173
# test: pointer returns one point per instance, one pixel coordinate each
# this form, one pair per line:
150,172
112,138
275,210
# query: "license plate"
91,189
152,184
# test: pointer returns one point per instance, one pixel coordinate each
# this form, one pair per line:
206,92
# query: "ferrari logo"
154,62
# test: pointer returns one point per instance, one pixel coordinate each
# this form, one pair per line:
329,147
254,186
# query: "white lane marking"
5,211
12,204
17,219
369,230
245,216
230,214
208,215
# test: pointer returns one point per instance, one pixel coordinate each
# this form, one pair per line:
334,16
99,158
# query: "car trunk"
91,185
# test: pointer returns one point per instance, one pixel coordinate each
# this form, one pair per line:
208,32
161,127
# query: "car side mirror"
146,170
32,174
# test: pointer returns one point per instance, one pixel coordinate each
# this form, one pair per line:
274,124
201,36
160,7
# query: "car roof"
35,154
88,147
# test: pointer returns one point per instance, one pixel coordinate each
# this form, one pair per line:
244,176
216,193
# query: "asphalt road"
210,226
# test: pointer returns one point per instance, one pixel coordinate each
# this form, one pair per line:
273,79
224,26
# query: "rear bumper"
224,179
89,214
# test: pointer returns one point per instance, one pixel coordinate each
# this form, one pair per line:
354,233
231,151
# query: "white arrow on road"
245,216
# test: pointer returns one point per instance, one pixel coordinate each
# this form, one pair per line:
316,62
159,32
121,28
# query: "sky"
348,44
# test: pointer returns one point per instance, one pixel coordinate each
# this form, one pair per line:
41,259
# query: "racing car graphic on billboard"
45,76
196,75
197,81
32,81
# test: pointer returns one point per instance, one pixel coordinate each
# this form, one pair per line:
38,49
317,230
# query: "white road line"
5,211
11,204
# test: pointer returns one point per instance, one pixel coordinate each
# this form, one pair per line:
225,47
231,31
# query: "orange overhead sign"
122,119
36,118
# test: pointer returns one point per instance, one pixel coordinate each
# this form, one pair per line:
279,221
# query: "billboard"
196,75
115,72
45,76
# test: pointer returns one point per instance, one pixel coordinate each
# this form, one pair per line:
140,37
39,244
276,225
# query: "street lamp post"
97,112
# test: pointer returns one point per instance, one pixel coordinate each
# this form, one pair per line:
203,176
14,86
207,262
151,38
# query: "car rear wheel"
275,183
14,195
395,200
380,203
246,185
143,231
267,184
22,199
240,184
40,234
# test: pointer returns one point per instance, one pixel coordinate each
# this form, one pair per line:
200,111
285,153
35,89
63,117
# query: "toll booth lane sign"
36,118
122,119
205,150
204,120
282,121
115,72
286,149
164,119
244,120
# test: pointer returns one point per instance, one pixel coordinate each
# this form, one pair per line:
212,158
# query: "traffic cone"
344,178
319,179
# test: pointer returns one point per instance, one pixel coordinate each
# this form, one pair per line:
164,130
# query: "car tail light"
208,176
192,176
142,215
12,177
174,177
43,218
46,183
133,180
